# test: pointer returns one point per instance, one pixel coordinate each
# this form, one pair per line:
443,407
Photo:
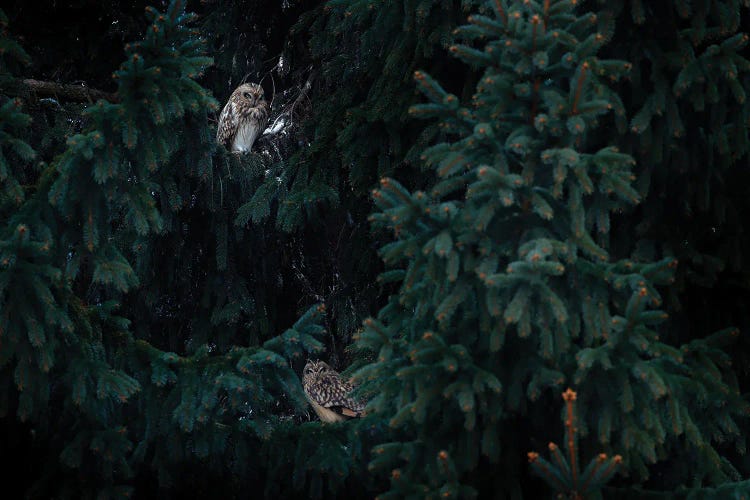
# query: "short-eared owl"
243,118
329,394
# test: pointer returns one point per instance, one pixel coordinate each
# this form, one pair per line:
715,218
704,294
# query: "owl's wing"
332,392
229,121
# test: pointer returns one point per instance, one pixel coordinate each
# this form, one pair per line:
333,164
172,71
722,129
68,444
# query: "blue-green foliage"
688,130
564,472
15,153
508,287
146,273
116,164
360,129
89,231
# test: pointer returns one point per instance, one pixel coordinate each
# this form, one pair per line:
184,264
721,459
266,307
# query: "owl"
243,118
328,393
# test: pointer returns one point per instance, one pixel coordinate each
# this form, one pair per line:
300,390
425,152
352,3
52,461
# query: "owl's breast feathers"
241,123
245,136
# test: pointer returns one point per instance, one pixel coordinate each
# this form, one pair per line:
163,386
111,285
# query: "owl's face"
250,94
313,369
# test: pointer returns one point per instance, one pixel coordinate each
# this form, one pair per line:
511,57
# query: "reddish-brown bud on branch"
569,395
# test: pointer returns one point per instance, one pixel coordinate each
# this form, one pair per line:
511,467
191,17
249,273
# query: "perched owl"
328,393
243,118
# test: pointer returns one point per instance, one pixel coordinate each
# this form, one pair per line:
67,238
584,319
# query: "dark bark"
61,91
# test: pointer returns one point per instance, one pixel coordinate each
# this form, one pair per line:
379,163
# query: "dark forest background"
468,206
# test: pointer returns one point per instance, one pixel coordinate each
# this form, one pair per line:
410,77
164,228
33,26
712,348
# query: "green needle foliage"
564,474
150,391
508,287
15,153
466,207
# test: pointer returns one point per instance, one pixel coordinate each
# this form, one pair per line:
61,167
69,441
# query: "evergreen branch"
63,91
569,396
579,87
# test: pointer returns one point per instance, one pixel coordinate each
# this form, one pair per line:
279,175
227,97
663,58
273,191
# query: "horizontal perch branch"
63,91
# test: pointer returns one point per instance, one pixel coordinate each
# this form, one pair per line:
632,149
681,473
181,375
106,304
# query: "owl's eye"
246,95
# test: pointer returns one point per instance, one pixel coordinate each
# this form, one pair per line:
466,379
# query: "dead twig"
285,119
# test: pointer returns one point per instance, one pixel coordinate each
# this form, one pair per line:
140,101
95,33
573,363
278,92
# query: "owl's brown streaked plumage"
329,394
243,118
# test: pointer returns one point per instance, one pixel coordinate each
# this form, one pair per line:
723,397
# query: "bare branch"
285,118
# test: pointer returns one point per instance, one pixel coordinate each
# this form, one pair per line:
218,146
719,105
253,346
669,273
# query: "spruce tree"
508,285
516,174
131,390
687,129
